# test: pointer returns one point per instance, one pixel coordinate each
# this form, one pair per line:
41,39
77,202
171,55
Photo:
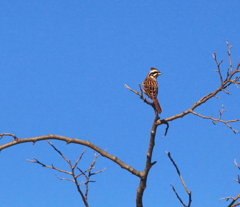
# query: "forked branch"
224,85
69,140
232,204
238,180
86,173
183,183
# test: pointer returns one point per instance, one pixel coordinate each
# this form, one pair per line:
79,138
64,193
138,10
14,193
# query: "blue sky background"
63,69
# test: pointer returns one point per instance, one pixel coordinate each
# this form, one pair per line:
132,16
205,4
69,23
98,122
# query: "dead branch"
47,166
232,204
238,180
140,95
183,183
229,56
218,65
149,163
87,174
69,140
75,176
229,80
8,134
235,162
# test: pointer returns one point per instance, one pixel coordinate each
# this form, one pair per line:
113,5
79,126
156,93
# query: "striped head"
154,73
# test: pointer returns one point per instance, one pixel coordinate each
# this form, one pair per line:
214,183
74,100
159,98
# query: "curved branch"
183,183
69,140
224,84
232,204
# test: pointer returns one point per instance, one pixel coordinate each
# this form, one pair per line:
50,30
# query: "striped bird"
150,87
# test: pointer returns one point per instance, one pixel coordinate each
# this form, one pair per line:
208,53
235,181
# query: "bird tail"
157,105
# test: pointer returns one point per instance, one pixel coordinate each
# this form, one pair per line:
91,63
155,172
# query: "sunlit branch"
69,140
232,204
8,134
222,88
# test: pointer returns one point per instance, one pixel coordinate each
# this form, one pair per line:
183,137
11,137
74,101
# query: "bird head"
154,73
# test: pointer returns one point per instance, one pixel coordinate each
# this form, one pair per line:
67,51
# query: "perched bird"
150,87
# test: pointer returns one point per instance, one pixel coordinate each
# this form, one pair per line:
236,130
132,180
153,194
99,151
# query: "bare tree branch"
140,94
179,198
8,134
224,85
47,166
143,175
232,204
87,173
218,65
148,165
238,180
183,183
69,140
235,162
229,56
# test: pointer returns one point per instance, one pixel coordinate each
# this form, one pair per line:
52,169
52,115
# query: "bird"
150,87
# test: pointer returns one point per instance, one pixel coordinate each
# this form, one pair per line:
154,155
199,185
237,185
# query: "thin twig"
183,183
75,141
229,56
232,204
224,86
235,162
140,95
218,65
87,173
8,134
179,198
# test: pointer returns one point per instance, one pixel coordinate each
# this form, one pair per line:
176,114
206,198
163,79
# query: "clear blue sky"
63,69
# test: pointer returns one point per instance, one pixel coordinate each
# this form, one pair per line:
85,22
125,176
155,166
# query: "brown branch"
8,134
148,165
223,85
140,95
183,183
218,120
80,157
235,162
218,65
47,166
87,173
72,173
238,180
232,204
64,179
69,140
